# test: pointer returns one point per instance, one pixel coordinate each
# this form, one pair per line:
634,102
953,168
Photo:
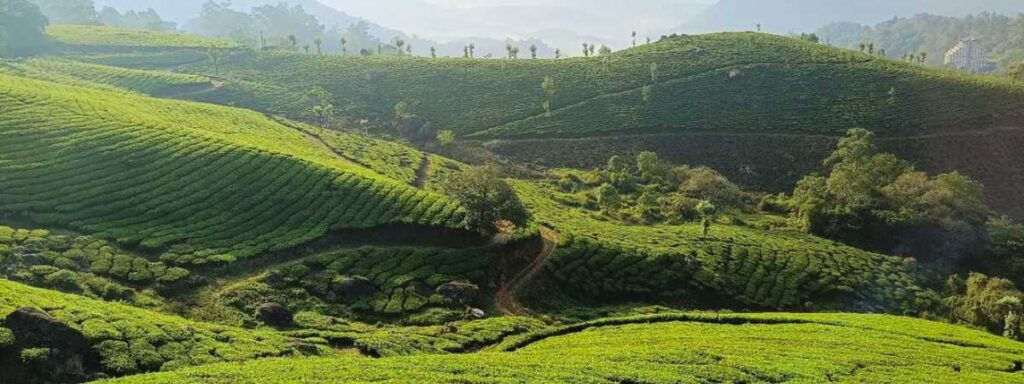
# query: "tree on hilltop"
23,26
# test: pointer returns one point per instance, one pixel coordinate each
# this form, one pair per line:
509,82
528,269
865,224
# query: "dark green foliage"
487,199
78,264
877,201
988,302
131,340
23,26
402,280
1003,255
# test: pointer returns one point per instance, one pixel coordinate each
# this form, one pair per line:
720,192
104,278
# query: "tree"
323,107
399,44
586,50
634,39
23,25
604,51
319,45
472,49
445,137
984,301
707,211
924,58
591,49
862,47
69,11
876,201
1016,73
294,41
533,51
433,52
548,86
400,110
558,54
608,198
215,56
344,46
486,198
654,72
306,48
871,48
651,169
408,49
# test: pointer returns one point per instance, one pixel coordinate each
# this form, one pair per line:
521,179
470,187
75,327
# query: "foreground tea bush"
130,340
678,348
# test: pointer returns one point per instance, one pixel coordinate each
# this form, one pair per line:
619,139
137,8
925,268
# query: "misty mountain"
782,16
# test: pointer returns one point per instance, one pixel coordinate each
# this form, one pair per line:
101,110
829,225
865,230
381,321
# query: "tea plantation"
599,259
192,183
678,348
99,38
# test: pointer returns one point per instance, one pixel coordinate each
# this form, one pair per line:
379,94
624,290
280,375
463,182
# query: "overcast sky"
610,20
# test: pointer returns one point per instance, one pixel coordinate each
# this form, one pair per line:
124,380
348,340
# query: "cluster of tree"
652,191
22,28
490,203
932,36
290,28
84,12
879,202
987,302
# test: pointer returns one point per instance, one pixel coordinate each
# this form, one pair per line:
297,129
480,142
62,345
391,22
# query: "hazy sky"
609,20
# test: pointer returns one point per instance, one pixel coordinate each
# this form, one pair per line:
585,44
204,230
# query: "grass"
599,259
678,349
92,37
192,183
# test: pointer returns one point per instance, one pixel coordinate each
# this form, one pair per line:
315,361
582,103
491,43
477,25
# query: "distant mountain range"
782,16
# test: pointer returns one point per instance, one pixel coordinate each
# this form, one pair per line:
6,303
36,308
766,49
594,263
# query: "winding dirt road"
505,299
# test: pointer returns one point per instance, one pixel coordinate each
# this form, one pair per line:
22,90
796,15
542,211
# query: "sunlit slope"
195,183
689,348
132,340
598,260
736,82
70,72
99,37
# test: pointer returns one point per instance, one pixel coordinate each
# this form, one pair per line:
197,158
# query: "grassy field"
599,259
98,37
681,348
106,77
190,182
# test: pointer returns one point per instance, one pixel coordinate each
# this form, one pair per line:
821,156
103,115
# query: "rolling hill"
700,100
701,347
190,183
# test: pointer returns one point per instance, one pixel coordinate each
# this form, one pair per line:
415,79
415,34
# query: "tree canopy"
877,201
487,199
24,26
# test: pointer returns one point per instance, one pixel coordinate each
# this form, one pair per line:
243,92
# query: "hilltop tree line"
928,37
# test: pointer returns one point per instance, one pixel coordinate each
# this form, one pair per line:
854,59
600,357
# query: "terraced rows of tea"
673,349
191,182
106,77
739,82
599,259
98,38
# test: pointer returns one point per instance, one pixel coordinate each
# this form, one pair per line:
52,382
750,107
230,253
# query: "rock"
477,313
458,292
70,356
354,287
274,314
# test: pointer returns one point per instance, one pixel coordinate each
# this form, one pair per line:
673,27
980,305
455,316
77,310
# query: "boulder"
274,314
458,292
476,313
69,354
354,287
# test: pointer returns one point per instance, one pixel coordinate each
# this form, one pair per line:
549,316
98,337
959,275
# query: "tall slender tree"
533,51
344,46
634,39
319,43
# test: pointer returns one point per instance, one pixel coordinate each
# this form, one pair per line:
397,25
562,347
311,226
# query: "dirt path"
505,299
423,172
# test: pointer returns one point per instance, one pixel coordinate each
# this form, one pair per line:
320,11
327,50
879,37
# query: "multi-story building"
968,55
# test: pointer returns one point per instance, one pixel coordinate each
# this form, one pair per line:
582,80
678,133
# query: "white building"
968,55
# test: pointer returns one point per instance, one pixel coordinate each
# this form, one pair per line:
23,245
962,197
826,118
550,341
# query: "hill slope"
193,183
678,348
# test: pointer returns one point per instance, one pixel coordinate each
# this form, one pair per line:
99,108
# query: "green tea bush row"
78,73
195,183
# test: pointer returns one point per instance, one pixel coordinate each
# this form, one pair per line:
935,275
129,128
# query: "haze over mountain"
781,16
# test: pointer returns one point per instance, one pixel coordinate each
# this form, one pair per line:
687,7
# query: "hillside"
717,96
674,348
98,37
190,183
778,15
